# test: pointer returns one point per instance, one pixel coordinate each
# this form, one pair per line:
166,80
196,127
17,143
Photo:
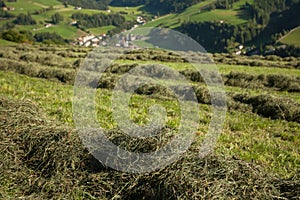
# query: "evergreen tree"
24,19
57,18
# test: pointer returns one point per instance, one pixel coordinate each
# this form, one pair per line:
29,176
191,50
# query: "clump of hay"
272,107
42,159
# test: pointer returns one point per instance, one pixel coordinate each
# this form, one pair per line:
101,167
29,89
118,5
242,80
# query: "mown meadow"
256,156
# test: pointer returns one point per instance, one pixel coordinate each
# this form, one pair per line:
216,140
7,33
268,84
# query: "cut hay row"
245,80
275,108
59,53
65,72
275,81
42,159
231,59
272,107
63,58
38,71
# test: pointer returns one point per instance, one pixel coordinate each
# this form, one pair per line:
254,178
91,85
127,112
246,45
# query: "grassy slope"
292,38
25,6
102,30
273,144
231,16
5,42
226,69
69,32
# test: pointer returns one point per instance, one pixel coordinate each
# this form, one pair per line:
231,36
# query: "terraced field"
257,154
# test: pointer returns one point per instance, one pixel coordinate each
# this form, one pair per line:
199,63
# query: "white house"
140,20
73,23
48,25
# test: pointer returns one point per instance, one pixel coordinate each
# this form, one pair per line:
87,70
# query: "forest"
85,21
88,4
98,20
154,6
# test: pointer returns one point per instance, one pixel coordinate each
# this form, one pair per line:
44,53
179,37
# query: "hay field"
256,157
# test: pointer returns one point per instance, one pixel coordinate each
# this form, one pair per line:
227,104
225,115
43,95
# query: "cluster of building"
95,41
140,20
125,41
90,40
240,50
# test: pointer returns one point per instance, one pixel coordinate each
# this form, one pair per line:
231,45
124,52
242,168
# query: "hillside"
200,13
42,11
256,156
218,25
255,30
292,38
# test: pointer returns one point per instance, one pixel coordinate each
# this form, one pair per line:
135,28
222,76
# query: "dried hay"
42,159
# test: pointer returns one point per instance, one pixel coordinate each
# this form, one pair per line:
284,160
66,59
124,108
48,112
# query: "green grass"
23,6
292,38
48,2
224,68
53,97
65,31
255,92
273,144
257,70
101,30
268,146
5,42
131,10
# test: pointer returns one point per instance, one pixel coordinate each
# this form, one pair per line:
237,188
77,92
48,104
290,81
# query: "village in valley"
92,40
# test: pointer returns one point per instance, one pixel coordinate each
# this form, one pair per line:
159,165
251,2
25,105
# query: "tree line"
220,37
85,21
98,20
24,19
158,6
5,14
88,4
261,10
222,4
27,37
154,6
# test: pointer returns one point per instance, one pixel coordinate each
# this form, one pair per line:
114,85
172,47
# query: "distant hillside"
256,25
88,4
238,26
292,38
200,12
158,7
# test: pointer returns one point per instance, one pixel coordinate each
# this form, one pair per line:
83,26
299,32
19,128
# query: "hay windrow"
42,159
272,107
